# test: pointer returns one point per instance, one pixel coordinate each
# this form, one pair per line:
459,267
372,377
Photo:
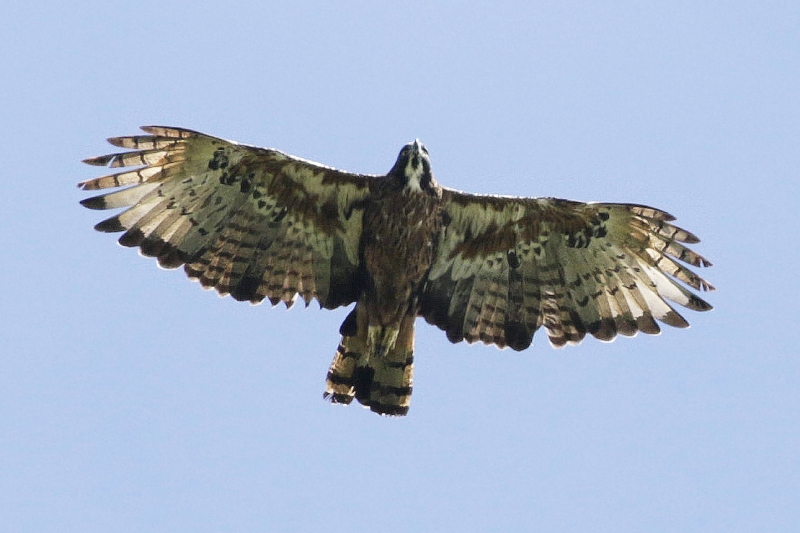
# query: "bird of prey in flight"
257,224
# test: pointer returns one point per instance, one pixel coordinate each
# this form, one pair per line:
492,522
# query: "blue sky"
131,400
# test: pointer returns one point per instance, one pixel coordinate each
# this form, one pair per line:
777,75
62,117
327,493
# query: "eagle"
257,223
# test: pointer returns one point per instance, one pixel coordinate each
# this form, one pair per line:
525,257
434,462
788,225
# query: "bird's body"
397,253
256,223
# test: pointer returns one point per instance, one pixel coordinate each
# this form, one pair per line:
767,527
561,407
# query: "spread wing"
251,222
507,266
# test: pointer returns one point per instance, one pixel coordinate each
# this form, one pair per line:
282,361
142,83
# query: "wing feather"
251,222
507,266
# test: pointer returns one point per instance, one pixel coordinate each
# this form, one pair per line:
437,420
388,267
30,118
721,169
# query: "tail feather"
381,382
340,383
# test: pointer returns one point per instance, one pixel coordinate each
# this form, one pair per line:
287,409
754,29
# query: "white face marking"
414,175
414,172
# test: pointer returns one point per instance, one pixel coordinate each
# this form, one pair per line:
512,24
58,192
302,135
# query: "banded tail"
382,383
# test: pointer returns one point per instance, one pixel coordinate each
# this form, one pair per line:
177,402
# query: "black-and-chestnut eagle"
258,223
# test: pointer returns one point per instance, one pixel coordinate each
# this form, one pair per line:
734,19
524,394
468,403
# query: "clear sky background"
131,400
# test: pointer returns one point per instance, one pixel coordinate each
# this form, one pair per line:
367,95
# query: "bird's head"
413,168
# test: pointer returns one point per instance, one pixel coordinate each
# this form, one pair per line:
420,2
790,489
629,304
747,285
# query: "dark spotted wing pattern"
251,222
507,266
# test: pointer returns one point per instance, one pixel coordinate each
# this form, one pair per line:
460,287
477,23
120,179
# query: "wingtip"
674,319
698,304
690,238
110,225
119,142
169,131
95,202
97,161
